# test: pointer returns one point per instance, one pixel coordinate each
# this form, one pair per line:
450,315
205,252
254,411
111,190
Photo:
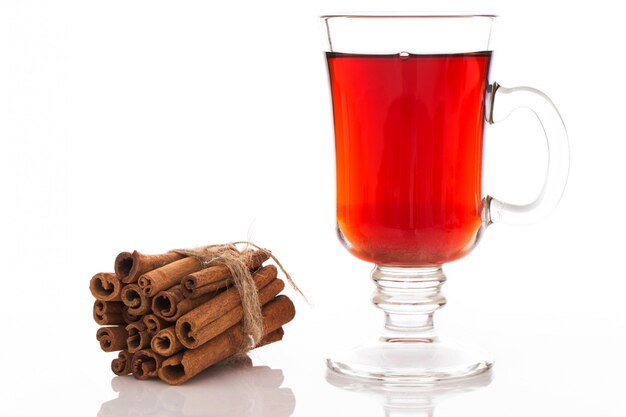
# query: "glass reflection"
398,399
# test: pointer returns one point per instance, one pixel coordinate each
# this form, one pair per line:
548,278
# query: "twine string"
234,259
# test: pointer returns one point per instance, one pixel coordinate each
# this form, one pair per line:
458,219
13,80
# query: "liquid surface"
408,137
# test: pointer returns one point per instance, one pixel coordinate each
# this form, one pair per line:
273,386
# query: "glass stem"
409,296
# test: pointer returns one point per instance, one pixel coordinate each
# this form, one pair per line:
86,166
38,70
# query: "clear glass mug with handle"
410,100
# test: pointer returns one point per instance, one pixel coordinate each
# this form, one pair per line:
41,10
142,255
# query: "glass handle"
501,102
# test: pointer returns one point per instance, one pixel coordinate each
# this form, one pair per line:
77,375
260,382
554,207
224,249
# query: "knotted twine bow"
228,255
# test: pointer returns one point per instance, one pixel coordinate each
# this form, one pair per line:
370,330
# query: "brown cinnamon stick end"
145,285
168,275
166,343
272,337
138,338
129,317
146,364
138,304
122,364
153,323
105,286
112,338
108,319
123,265
164,304
172,370
129,266
108,312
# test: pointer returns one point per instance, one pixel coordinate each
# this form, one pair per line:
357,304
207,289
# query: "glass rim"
411,15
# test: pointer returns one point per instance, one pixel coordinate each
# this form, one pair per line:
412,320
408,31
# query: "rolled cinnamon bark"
275,336
146,364
183,366
164,303
207,289
106,286
138,337
154,323
192,336
138,303
218,276
108,312
171,304
168,275
130,266
166,343
225,301
129,317
122,364
112,338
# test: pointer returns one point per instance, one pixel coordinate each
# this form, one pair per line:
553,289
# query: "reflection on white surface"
400,399
234,390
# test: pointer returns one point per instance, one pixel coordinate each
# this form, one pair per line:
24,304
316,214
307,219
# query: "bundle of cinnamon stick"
171,317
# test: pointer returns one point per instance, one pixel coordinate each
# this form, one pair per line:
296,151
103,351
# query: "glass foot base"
410,362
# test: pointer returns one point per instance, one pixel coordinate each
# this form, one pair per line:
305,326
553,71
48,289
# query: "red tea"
408,133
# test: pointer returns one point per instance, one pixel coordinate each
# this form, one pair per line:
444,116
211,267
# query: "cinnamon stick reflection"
228,389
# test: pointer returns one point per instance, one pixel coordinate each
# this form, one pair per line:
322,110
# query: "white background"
153,125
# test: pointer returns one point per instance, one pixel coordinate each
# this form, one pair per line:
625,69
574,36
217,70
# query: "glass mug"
410,98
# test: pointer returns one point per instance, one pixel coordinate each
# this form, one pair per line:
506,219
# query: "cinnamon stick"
166,343
112,338
275,336
129,317
146,364
191,336
218,276
138,303
154,323
168,275
108,312
122,364
179,368
138,337
207,289
208,312
130,266
106,286
172,304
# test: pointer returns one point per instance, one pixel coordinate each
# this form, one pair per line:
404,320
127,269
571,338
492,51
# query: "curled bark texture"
146,364
129,317
168,275
112,338
122,364
193,336
219,276
170,305
154,323
129,266
108,312
207,313
166,343
138,337
105,286
179,368
137,302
